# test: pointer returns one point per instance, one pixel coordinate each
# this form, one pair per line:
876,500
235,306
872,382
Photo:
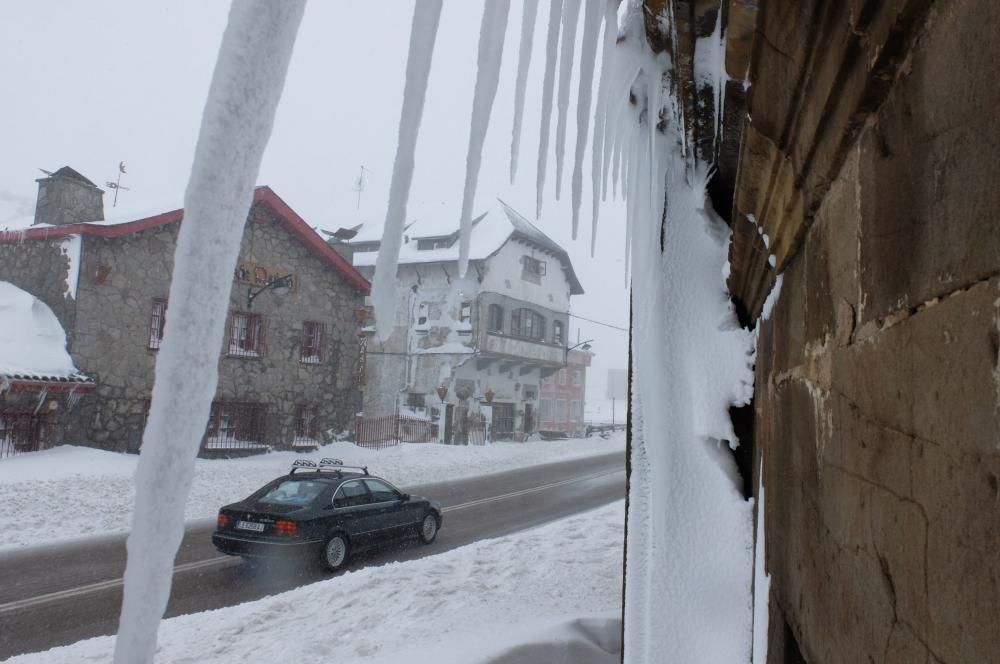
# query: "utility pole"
359,184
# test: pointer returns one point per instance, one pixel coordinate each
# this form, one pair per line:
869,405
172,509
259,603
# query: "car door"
355,513
395,514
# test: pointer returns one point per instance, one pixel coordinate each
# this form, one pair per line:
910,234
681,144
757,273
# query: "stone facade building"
288,365
488,337
855,168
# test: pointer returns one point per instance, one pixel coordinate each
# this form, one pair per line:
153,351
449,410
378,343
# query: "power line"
591,320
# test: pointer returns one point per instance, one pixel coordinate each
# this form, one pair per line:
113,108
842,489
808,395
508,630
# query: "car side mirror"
404,498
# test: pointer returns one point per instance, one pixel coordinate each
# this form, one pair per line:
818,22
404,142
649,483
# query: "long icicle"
588,56
570,19
601,117
491,38
235,128
548,84
426,16
530,12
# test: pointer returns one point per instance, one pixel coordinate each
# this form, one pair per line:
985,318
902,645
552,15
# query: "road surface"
59,594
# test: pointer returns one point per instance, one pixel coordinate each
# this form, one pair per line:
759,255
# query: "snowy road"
56,595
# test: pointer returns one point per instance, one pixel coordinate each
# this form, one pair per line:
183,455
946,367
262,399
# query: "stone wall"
120,277
878,388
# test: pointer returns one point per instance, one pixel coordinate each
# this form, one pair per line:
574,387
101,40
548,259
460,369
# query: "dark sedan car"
327,511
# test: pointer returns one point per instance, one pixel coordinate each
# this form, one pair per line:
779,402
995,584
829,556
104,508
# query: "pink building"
562,398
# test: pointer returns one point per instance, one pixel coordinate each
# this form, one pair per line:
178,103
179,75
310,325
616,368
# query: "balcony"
508,347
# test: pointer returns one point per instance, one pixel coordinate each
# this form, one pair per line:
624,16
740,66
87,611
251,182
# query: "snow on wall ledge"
690,540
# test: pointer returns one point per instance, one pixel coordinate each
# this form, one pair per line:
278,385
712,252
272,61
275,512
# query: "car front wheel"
335,552
429,528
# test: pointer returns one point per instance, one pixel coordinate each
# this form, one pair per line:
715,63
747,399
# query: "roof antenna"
117,184
359,184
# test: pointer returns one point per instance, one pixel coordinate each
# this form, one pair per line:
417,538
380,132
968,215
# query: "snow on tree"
236,125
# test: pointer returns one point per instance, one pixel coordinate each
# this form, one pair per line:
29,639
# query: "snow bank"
32,341
91,492
551,594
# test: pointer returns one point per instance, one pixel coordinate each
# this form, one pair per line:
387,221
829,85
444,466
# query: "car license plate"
250,525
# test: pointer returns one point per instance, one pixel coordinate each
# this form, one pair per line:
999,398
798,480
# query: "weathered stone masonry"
870,163
865,150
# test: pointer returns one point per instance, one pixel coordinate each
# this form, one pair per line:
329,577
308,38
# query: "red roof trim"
291,220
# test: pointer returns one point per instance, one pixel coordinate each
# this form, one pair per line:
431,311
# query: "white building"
488,337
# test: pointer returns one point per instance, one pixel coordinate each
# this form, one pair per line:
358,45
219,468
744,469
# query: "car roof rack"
325,465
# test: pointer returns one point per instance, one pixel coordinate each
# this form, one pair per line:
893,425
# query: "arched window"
557,332
528,324
495,320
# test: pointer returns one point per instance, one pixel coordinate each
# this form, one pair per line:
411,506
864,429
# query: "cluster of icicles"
623,142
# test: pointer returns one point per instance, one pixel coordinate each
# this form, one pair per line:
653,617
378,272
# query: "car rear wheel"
335,552
429,528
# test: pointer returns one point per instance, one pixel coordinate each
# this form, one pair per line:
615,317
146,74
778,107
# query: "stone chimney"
66,197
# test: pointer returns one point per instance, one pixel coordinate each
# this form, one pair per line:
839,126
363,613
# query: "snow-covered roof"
32,342
262,195
490,232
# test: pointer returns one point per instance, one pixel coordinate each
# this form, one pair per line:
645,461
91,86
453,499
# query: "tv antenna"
117,184
359,184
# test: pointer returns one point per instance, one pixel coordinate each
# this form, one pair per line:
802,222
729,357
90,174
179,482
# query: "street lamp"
280,285
584,345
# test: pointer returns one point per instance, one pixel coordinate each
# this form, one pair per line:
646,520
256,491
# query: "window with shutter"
157,322
311,350
246,335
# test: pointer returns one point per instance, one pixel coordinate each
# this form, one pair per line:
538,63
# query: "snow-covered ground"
85,491
550,594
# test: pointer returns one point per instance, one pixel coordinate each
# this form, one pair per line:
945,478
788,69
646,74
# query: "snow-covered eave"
27,382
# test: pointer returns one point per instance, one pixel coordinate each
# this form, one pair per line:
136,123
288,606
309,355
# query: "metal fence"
21,432
390,430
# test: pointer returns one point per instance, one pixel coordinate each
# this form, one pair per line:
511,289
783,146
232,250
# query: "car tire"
336,552
428,528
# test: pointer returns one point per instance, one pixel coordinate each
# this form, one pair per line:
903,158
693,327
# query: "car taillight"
286,528
223,521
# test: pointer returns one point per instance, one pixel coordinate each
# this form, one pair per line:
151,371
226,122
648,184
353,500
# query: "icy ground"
492,601
70,492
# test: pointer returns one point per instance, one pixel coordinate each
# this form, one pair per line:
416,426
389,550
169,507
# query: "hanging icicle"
426,16
530,12
597,161
235,128
570,19
491,37
548,84
588,56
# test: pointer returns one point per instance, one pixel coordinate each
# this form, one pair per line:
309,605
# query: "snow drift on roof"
32,342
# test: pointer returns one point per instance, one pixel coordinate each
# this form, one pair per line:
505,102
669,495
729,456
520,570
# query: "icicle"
235,127
600,118
570,17
588,56
548,82
491,37
426,16
528,16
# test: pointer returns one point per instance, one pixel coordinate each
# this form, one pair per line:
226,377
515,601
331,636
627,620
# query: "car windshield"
294,492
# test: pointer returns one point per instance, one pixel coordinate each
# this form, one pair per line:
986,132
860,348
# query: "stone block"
933,374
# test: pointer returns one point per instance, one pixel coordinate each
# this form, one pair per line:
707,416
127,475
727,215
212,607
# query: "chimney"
66,197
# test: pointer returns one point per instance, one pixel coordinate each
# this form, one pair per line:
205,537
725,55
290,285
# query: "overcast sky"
89,84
